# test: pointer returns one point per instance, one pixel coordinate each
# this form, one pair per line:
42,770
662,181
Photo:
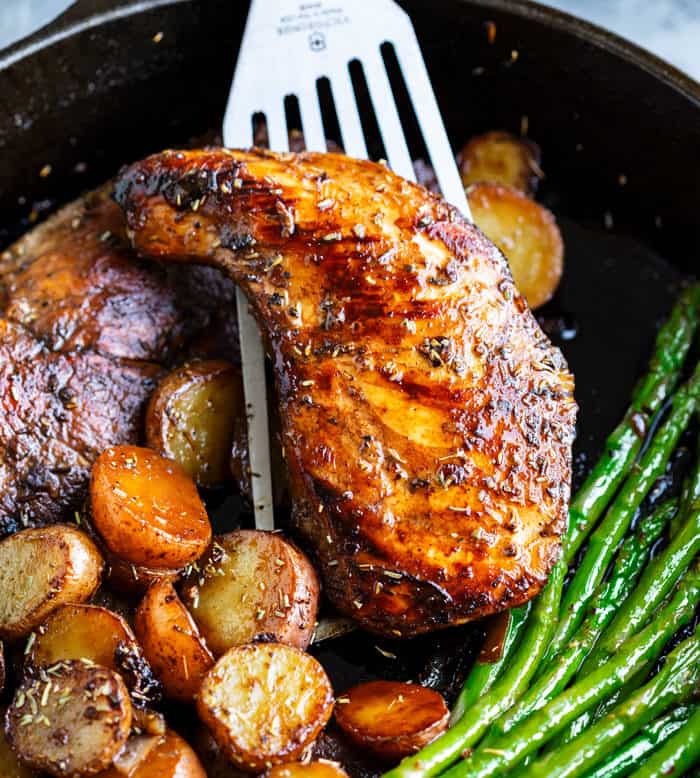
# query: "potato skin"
168,757
79,632
40,569
265,703
193,417
391,719
70,720
171,642
253,583
321,768
146,510
526,233
501,158
10,766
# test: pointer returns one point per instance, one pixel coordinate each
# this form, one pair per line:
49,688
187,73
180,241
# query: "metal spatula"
288,47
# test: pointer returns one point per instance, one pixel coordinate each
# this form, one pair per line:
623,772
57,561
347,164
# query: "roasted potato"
40,569
193,416
10,766
71,719
265,703
526,233
391,719
321,768
253,584
501,158
79,632
171,642
146,756
146,509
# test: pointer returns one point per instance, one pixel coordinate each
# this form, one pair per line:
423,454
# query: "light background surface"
669,28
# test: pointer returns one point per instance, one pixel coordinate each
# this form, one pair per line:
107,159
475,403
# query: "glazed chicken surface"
86,329
427,422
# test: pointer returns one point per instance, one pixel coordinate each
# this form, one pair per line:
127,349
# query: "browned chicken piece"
427,421
84,330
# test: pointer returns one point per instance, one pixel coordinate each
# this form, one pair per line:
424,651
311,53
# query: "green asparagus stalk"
609,533
507,751
628,565
484,674
677,755
655,584
624,444
448,748
672,684
637,749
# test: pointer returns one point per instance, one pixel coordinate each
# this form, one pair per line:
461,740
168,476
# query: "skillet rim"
65,27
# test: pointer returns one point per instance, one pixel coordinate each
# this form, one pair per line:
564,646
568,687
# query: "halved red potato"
526,233
320,768
253,584
79,632
501,158
40,569
391,719
148,756
193,417
171,642
146,509
73,719
265,703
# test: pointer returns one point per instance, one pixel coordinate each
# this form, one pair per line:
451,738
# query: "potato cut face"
73,718
193,417
168,756
321,768
79,632
40,569
501,158
146,509
172,643
10,766
391,719
253,584
264,703
526,233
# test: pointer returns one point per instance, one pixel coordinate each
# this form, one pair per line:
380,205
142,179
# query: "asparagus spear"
657,581
608,534
483,674
672,345
674,683
677,755
507,751
628,565
635,750
622,447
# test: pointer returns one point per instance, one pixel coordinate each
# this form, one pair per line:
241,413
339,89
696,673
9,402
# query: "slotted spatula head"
290,48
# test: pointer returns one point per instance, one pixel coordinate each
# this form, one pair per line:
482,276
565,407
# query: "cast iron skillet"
93,91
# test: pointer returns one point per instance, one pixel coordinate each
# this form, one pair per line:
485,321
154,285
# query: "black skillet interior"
620,134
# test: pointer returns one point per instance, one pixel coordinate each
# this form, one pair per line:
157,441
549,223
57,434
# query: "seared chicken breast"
85,328
427,421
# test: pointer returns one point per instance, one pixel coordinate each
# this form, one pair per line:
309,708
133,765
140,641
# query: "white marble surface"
669,28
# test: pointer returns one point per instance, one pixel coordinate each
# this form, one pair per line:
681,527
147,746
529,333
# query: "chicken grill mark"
427,421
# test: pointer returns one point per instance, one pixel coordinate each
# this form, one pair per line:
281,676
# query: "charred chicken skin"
427,421
85,330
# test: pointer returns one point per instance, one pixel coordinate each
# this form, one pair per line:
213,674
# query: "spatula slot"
408,116
259,128
329,114
292,114
368,117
